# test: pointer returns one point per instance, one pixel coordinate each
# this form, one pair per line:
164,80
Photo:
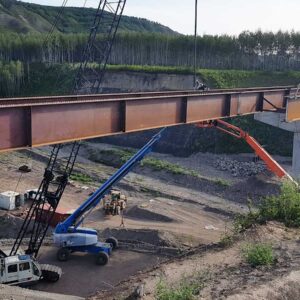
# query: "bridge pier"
279,120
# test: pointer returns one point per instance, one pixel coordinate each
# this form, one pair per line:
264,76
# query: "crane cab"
19,270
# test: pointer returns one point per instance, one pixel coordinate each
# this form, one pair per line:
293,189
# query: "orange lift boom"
237,132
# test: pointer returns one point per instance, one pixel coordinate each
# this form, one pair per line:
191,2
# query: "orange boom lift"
237,132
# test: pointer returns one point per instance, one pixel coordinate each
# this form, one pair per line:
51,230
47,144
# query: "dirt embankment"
224,273
145,214
205,176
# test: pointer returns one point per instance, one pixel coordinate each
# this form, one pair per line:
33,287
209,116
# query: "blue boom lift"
69,237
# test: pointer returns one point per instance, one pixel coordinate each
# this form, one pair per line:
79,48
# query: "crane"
106,22
69,237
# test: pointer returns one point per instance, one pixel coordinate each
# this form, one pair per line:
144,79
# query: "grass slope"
43,78
25,17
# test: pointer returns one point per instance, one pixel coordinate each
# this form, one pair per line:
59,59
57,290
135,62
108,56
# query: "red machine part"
259,150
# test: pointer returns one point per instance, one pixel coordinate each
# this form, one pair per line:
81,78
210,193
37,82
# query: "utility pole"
195,42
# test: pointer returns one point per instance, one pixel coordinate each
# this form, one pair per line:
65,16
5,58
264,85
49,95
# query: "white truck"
23,270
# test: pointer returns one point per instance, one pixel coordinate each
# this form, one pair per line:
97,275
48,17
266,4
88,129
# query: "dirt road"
82,277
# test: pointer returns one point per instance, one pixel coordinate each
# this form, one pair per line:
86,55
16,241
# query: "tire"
63,254
102,258
113,241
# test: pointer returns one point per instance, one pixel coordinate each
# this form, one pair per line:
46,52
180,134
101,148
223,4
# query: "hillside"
24,17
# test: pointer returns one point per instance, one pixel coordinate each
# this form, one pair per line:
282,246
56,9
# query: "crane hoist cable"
55,22
21,174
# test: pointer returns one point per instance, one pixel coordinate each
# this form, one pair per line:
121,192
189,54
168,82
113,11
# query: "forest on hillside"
11,77
22,17
259,51
249,51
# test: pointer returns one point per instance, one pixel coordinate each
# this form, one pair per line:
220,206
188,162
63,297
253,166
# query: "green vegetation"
51,80
82,178
11,78
226,240
146,44
24,17
183,292
156,164
186,289
221,78
152,69
222,182
39,74
284,208
239,78
117,157
259,254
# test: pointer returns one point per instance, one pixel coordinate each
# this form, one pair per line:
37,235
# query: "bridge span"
37,121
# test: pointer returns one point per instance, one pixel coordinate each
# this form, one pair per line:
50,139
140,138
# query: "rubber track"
50,271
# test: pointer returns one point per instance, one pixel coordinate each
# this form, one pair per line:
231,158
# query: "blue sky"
215,16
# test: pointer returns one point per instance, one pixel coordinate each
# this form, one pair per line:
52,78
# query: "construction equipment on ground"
237,132
23,269
70,238
114,203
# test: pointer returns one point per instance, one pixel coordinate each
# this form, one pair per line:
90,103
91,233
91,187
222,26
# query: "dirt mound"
137,212
254,188
153,237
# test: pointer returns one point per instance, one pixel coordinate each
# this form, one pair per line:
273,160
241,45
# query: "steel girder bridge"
37,121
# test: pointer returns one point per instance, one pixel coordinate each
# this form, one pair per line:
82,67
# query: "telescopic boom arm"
237,132
73,221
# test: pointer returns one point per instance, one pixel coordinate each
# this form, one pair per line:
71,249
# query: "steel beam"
32,122
293,110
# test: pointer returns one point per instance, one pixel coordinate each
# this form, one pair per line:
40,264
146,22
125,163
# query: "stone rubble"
238,168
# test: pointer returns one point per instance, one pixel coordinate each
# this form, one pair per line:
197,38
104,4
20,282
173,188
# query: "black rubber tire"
113,241
63,254
102,258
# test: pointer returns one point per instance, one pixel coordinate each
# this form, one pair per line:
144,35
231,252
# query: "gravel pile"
239,169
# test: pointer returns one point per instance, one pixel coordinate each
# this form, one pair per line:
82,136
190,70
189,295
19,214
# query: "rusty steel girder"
32,122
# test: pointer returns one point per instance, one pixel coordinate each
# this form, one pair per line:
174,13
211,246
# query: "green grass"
186,289
227,239
183,292
284,208
151,69
220,78
123,155
222,183
175,169
259,254
155,164
240,78
82,178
